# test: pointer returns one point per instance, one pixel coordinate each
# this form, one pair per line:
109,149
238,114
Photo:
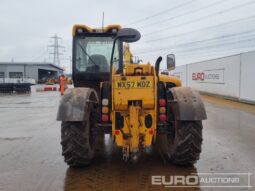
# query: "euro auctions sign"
214,76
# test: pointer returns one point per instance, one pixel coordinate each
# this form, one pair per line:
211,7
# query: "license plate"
133,84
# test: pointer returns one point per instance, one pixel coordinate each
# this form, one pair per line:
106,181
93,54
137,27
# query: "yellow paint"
134,127
138,69
133,83
172,79
124,93
126,89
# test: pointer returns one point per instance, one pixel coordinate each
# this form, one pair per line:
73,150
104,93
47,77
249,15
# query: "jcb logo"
198,76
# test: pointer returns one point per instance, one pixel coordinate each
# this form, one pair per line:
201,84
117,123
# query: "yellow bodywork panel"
172,79
134,126
133,88
134,96
138,69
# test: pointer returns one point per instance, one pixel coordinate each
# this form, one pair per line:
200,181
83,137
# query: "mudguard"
186,104
75,103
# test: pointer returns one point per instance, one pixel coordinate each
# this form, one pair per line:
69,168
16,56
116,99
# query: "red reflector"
162,118
151,131
162,102
117,132
105,118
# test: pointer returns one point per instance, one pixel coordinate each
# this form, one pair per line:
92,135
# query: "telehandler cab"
133,102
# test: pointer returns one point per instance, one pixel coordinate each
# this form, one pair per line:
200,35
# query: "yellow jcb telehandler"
136,105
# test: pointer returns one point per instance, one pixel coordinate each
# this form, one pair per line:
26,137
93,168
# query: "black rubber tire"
185,146
78,140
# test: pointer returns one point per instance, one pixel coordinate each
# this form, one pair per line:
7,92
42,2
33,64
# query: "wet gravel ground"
30,152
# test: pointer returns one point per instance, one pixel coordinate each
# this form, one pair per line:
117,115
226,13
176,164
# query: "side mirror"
128,35
170,59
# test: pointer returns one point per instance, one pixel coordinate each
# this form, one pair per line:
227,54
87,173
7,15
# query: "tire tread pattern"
187,144
76,148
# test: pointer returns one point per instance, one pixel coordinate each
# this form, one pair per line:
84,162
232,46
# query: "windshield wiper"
85,52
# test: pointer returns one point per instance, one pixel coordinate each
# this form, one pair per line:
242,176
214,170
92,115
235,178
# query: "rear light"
117,132
162,102
105,110
162,110
105,118
151,131
162,117
105,102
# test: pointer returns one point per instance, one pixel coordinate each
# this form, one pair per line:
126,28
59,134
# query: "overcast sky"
192,29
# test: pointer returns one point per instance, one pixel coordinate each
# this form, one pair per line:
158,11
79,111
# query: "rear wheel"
185,146
182,145
78,140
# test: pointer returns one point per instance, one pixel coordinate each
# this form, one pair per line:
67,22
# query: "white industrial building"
34,70
232,76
